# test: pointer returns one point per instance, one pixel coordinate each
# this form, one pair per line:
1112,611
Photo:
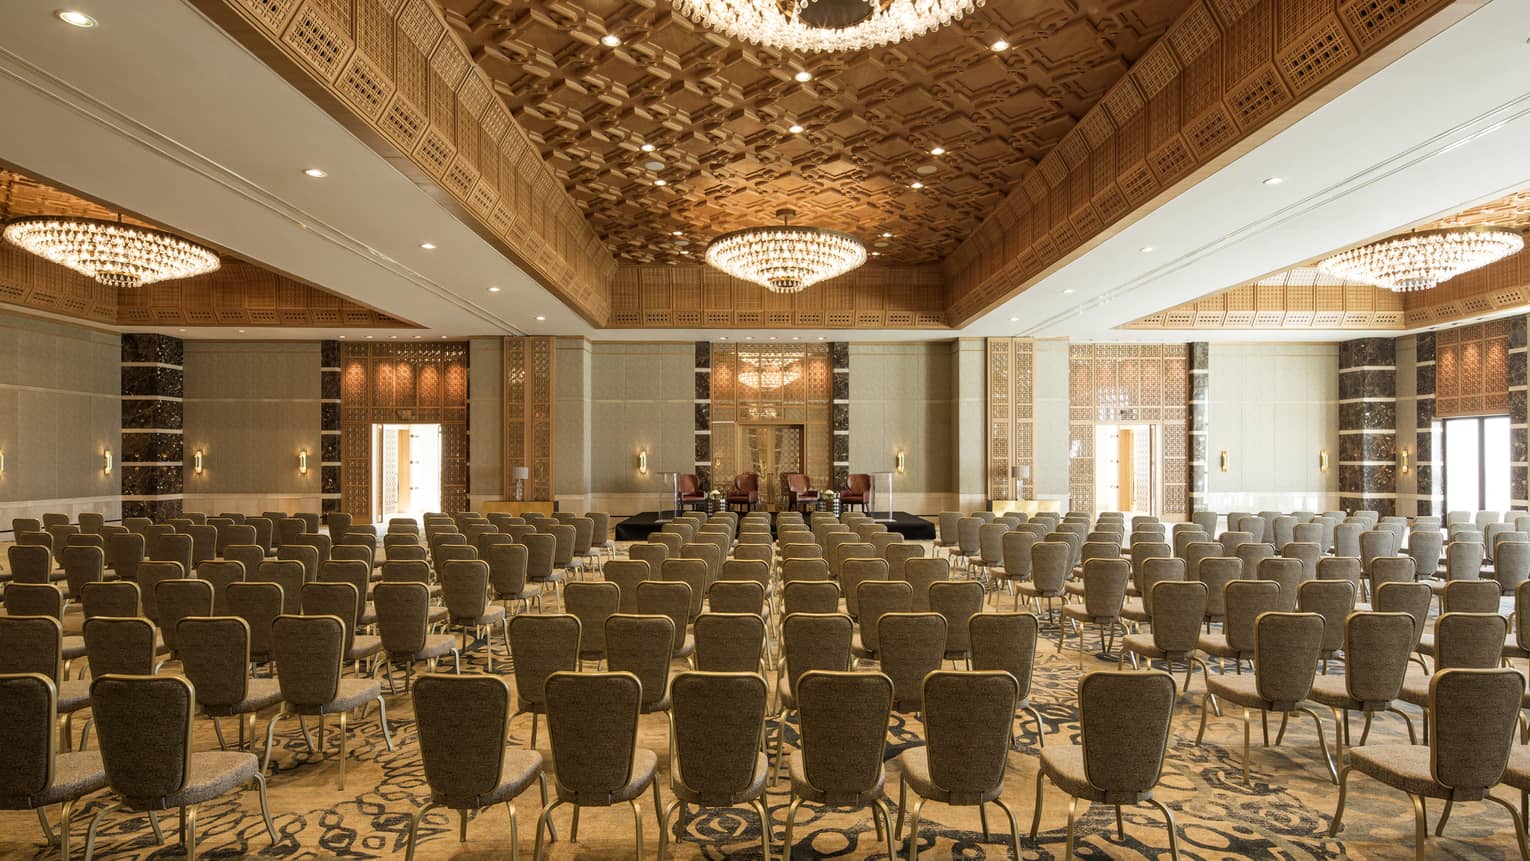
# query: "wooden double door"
769,449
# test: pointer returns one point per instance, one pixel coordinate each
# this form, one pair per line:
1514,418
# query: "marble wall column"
703,462
1197,421
329,426
839,359
1430,489
1368,425
1519,457
153,452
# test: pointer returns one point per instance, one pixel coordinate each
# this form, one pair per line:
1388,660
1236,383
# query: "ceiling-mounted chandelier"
1419,261
786,258
113,253
766,373
825,25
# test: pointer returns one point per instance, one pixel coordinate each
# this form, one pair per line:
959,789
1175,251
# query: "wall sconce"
196,462
519,474
2,461
106,461
1402,458
1225,460
1323,460
643,462
303,462
902,462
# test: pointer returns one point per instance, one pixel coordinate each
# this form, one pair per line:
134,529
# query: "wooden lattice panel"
1125,384
807,399
529,383
402,384
1011,411
396,68
1224,69
1472,370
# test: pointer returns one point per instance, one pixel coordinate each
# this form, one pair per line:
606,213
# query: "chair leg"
1519,825
544,819
1201,733
189,817
664,826
759,808
1169,825
1439,828
1072,816
47,830
983,818
515,848
265,808
265,762
1036,817
1246,780
637,826
95,821
552,830
791,816
902,807
1333,774
382,719
1281,736
1412,739
63,829
1420,827
913,832
1014,827
343,716
879,808
1338,813
1041,738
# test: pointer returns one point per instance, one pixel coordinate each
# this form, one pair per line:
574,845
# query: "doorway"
406,470
1476,463
768,449
1128,474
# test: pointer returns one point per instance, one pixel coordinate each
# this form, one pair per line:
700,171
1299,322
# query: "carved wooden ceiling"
718,115
238,294
1303,297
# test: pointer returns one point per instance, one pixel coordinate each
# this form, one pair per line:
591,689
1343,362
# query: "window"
1476,463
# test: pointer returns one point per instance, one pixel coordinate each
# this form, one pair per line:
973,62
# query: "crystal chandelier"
765,373
825,25
1419,261
113,253
785,258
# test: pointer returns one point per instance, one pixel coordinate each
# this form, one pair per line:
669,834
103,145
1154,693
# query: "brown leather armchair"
799,490
689,491
857,491
746,491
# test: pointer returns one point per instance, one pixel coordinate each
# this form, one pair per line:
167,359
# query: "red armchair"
746,491
857,491
799,490
689,491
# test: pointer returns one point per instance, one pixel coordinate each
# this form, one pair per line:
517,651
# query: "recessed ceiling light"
887,236
660,182
393,337
820,337
183,330
795,338
647,147
418,337
493,289
342,337
1068,291
316,173
241,331
653,165
795,129
1014,319
541,318
677,233
916,184
803,76
748,337
369,337
428,246
1274,180
443,337
939,150
687,253
1146,249
999,45
772,337
611,40
876,254
75,19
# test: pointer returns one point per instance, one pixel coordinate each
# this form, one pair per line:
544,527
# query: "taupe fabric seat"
1245,601
730,642
592,720
876,599
462,723
145,726
592,604
1125,719
1286,647
1333,600
627,574
340,600
1462,641
542,645
1178,610
673,601
309,651
465,591
967,720
643,646
959,602
176,599
1475,711
36,774
258,604
814,596
215,657
692,572
1376,649
1154,571
403,630
910,647
844,731
714,756
1104,591
1007,641
809,641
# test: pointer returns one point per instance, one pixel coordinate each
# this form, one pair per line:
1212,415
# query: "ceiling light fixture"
803,77
886,235
75,18
611,40
647,147
1146,249
795,129
768,372
428,246
998,46
1068,291
678,233
660,183
1274,180
493,289
939,150
1421,260
316,173
540,318
113,253
916,185
825,25
786,258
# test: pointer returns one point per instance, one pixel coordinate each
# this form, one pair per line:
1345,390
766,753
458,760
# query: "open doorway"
406,470
1128,468
1476,465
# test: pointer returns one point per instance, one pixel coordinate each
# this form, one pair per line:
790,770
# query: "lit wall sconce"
2,461
106,461
196,462
1225,460
303,462
902,462
1402,459
643,462
1323,460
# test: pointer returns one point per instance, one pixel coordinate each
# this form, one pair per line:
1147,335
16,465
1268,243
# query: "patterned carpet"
1284,815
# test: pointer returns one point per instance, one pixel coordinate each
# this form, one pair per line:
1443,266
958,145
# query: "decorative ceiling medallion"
1421,260
786,258
825,25
113,253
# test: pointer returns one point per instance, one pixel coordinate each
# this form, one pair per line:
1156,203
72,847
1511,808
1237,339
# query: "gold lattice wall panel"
1471,370
693,296
1224,69
32,282
393,70
805,396
403,384
529,368
239,294
1128,384
1011,411
1296,299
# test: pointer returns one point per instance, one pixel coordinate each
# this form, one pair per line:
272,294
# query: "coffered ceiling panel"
718,114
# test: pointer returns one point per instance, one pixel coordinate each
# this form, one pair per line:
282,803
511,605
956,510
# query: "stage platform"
639,526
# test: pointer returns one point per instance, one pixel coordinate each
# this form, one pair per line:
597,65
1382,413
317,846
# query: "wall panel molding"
529,386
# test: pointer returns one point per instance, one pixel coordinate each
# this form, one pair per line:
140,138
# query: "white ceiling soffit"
1447,124
158,111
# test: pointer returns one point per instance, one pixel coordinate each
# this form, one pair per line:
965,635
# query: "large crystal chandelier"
786,258
825,25
767,373
1419,261
113,253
